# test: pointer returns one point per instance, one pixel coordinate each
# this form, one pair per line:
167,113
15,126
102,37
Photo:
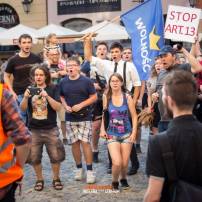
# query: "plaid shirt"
12,123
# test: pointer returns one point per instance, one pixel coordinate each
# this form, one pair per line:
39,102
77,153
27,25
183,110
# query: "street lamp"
192,3
26,5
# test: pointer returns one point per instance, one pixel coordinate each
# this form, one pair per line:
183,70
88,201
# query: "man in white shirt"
107,67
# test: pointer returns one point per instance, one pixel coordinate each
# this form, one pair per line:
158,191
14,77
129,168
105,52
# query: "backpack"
179,190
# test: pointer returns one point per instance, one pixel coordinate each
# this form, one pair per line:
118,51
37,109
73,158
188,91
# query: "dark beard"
167,110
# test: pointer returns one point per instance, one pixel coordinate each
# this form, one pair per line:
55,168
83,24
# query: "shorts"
61,114
123,139
79,131
54,146
97,111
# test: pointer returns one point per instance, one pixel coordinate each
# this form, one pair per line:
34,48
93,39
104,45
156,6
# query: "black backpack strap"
167,155
124,73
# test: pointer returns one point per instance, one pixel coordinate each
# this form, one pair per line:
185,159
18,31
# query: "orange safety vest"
9,170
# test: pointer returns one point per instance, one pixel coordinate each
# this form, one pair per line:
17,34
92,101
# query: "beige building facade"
71,13
12,14
75,14
12,10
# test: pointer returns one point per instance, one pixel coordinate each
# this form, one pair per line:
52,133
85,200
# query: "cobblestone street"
74,190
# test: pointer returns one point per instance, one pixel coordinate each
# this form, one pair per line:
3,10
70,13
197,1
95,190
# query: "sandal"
39,185
57,184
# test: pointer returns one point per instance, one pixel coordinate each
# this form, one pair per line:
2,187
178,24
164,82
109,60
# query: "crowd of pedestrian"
101,97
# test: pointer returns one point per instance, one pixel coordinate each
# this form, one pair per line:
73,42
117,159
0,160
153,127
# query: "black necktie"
115,67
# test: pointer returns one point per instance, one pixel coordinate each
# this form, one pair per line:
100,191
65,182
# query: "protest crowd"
59,99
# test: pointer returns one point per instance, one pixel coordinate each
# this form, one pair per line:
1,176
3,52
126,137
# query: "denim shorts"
120,139
54,146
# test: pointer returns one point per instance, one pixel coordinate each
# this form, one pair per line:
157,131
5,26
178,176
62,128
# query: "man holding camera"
42,101
168,56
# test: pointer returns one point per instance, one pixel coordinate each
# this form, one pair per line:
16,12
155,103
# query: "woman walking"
120,133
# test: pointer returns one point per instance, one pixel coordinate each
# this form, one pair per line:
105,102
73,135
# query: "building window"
77,24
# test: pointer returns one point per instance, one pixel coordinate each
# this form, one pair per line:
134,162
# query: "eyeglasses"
115,81
127,53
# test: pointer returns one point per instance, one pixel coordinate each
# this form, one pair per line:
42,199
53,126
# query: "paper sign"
182,23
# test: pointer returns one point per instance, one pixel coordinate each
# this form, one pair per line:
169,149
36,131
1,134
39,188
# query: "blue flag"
145,26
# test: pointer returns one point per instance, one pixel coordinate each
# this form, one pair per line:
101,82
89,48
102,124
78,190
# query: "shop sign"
87,6
8,16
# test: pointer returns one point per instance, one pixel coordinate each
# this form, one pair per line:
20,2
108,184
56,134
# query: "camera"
34,90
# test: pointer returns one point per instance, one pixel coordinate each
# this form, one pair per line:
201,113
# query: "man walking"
77,94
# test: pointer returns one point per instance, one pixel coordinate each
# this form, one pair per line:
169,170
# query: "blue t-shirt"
75,92
119,123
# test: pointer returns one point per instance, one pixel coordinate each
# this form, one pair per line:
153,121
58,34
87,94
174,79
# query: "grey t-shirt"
159,84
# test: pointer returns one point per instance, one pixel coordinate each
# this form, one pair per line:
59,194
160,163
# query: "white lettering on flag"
144,45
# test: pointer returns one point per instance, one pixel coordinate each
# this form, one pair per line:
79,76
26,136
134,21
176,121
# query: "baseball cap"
166,49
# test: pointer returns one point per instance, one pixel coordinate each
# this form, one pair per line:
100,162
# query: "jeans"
23,115
163,126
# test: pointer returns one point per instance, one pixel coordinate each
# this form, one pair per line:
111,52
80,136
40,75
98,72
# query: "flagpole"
94,33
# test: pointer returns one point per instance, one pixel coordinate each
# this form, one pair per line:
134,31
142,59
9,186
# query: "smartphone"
34,90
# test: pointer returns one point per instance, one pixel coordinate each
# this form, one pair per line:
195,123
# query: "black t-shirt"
75,92
183,132
41,114
20,68
159,84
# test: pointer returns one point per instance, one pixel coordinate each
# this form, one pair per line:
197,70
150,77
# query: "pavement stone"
75,190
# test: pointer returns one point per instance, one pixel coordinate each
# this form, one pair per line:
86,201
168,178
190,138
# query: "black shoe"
115,185
138,148
64,141
132,171
95,157
124,184
109,169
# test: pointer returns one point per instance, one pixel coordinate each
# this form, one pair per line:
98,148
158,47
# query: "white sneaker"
78,174
90,177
